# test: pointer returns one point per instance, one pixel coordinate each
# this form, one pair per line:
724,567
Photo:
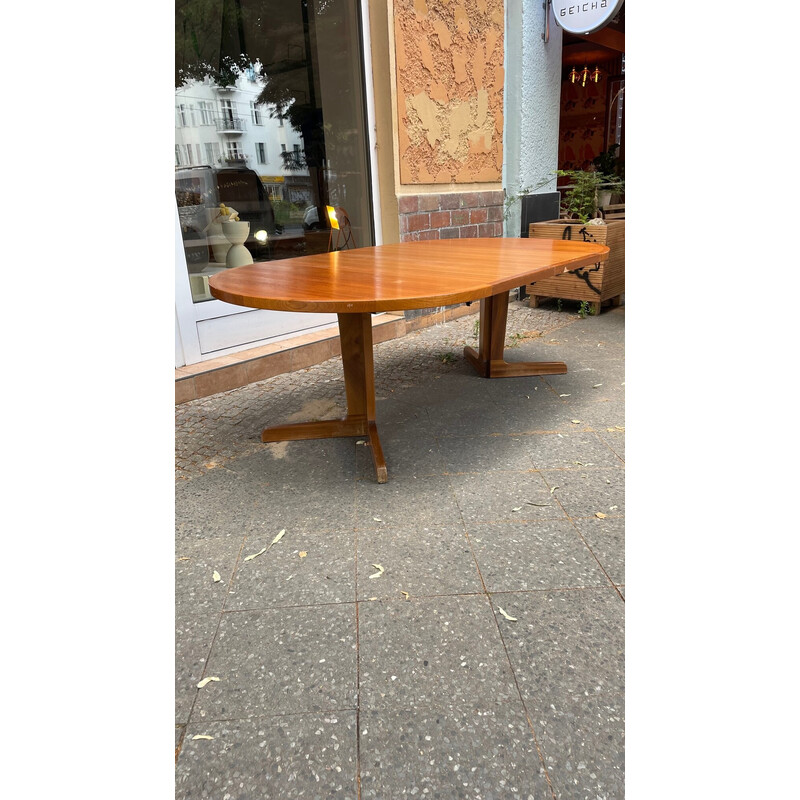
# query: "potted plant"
581,221
609,165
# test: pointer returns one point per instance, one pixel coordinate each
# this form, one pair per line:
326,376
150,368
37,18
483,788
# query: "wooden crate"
595,286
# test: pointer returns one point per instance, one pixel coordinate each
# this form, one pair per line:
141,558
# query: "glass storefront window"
270,122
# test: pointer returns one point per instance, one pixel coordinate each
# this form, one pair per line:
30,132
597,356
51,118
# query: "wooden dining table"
356,283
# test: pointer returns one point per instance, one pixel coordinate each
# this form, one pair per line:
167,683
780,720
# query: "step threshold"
300,352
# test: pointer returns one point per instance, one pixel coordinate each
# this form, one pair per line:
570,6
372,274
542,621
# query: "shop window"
296,65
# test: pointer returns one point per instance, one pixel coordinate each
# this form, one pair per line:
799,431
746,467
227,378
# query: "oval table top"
395,277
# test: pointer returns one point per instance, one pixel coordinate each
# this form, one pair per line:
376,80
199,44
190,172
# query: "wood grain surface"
402,276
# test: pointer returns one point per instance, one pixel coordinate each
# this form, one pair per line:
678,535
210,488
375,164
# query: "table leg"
488,361
355,333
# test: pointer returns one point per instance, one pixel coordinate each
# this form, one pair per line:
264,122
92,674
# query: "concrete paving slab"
193,637
424,501
504,497
539,555
453,753
281,661
321,505
196,590
216,504
310,460
296,755
432,652
570,450
485,453
567,650
586,491
615,439
606,538
304,568
420,561
410,453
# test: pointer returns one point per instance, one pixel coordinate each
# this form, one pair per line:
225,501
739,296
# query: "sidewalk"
456,632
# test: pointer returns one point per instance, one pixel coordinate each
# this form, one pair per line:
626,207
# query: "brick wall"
455,215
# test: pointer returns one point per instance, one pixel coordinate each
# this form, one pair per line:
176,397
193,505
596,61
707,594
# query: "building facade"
414,119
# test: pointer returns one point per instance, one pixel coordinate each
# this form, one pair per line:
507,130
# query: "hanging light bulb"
596,75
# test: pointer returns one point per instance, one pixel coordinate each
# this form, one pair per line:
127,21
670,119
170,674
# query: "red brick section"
455,215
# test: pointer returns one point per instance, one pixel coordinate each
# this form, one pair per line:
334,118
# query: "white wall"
532,101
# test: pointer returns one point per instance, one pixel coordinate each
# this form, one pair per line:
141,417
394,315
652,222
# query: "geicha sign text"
584,17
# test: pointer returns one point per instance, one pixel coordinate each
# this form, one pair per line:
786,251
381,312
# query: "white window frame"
255,113
261,153
206,112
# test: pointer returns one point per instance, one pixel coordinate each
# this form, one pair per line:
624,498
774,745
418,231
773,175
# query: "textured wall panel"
449,57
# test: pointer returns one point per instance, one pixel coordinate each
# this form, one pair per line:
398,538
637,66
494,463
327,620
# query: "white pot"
236,233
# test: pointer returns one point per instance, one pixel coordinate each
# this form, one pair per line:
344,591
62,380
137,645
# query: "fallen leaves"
379,572
264,549
277,538
206,681
600,515
201,736
507,616
216,577
302,554
255,555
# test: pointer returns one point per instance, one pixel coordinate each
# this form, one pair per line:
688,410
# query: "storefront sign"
584,17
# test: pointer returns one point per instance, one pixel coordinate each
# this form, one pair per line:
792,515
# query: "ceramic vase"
236,233
219,244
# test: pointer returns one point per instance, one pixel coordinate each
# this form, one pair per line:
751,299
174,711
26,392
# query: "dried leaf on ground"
216,576
509,618
575,421
205,681
277,538
531,503
406,594
554,488
565,395
202,736
302,554
600,515
518,508
253,555
380,571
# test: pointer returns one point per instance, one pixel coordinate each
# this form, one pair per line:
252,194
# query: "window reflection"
269,127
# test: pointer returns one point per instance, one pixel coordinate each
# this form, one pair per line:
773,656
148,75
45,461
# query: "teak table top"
394,277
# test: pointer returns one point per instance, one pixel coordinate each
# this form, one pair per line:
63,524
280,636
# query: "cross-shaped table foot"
355,333
488,361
